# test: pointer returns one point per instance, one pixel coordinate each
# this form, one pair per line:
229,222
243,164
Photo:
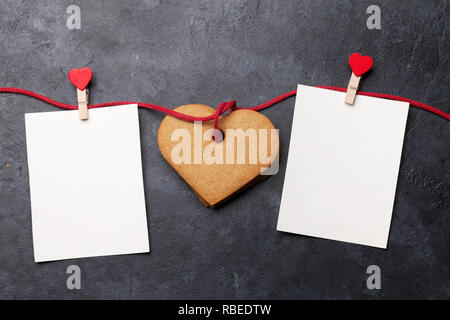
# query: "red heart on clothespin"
360,64
80,78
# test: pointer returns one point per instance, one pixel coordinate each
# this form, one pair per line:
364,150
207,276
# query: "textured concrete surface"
204,51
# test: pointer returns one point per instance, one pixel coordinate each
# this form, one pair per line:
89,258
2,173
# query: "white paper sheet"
86,183
342,167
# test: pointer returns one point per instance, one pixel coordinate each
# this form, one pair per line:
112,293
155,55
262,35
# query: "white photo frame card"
343,166
86,183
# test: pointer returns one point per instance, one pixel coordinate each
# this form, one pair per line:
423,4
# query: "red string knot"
221,109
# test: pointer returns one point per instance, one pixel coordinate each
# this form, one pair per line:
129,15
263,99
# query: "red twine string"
223,107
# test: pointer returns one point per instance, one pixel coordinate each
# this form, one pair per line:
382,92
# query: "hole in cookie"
218,135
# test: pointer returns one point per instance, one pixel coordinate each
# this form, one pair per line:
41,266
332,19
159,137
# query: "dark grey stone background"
178,52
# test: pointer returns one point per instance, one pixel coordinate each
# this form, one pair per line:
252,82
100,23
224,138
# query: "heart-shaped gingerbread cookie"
247,154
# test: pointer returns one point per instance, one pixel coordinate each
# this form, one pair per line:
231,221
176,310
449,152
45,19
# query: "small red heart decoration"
80,78
360,64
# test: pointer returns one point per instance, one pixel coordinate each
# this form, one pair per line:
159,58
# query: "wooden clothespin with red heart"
80,78
360,65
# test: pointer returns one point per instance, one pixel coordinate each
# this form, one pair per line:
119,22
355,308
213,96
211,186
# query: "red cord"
223,107
414,103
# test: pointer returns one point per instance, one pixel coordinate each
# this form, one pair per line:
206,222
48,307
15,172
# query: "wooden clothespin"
80,78
82,97
360,65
